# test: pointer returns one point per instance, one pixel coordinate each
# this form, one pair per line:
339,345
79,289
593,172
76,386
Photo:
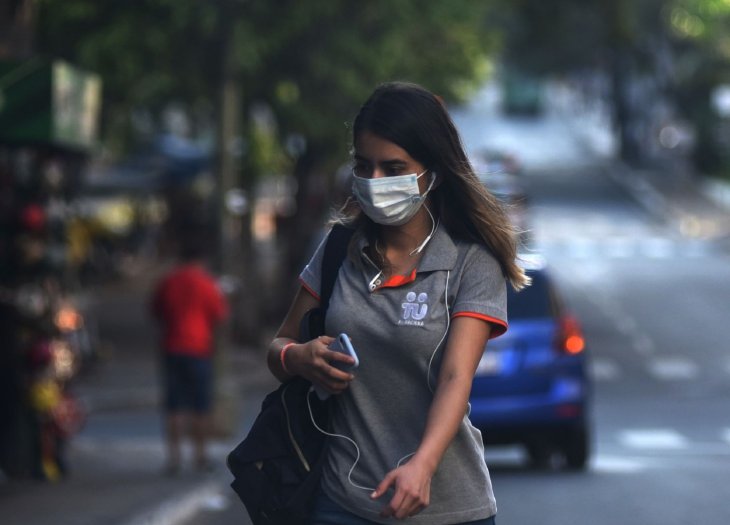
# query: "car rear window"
533,301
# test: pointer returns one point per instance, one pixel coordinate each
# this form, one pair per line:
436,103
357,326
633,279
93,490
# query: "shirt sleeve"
311,276
482,290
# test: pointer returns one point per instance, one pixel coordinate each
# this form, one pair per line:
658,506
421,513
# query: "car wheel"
576,448
540,455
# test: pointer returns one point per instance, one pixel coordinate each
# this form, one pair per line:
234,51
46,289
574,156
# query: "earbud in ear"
435,179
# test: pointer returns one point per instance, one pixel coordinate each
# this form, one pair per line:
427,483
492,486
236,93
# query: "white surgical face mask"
391,201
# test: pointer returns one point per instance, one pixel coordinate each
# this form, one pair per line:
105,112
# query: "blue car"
531,386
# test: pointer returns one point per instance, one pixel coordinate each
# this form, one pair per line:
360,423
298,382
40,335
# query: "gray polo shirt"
397,329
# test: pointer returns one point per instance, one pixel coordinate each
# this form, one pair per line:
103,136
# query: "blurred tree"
343,50
287,54
311,63
700,31
149,53
620,38
658,54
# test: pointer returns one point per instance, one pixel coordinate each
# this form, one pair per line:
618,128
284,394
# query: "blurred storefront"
49,114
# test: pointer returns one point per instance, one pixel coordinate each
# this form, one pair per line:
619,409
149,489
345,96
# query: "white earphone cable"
446,332
428,383
434,225
357,449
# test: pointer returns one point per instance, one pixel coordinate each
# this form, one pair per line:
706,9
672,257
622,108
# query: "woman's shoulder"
475,254
470,247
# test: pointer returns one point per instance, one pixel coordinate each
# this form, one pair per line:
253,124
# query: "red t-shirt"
189,305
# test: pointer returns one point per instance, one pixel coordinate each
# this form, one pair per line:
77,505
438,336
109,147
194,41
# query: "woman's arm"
309,359
464,348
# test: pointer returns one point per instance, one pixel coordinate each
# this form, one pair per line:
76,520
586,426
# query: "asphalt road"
653,304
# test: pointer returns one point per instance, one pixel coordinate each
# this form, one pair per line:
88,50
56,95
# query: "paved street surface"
653,304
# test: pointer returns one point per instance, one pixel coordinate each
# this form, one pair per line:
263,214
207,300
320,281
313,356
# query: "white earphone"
428,383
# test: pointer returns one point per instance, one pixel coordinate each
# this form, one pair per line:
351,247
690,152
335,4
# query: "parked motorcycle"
53,346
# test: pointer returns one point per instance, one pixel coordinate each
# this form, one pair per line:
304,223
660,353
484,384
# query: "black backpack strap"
335,252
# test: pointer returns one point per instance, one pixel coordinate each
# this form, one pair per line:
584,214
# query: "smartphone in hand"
343,345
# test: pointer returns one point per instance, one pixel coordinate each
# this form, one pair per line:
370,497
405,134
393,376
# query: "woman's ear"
436,179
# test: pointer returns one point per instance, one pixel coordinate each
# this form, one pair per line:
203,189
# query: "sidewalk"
116,462
695,206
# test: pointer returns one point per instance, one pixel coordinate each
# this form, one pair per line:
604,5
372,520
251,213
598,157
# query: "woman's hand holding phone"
342,360
325,361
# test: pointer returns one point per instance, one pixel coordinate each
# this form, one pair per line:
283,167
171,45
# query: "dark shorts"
188,383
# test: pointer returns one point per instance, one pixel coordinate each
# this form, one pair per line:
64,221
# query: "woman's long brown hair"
416,120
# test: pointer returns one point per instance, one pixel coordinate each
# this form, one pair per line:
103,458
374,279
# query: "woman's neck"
396,243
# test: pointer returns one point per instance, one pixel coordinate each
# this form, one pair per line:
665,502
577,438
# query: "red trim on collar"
400,280
498,326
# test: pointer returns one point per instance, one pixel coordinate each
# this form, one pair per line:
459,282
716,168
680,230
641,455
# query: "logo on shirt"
414,309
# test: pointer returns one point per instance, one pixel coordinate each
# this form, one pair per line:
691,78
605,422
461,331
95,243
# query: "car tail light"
570,338
568,411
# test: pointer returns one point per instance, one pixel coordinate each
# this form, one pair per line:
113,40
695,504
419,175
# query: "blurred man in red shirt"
188,306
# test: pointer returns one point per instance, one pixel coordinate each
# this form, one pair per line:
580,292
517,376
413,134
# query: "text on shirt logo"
414,309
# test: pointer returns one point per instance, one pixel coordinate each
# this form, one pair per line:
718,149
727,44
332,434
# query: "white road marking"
673,368
616,465
619,247
655,439
658,248
581,248
604,369
216,502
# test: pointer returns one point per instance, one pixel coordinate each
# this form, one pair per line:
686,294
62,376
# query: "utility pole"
228,169
229,132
